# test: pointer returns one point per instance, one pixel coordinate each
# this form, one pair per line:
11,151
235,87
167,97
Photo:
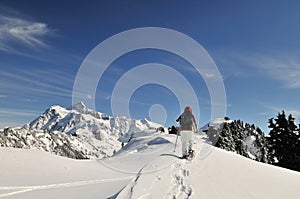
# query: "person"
188,127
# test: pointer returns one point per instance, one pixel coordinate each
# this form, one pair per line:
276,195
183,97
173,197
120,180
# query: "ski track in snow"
22,189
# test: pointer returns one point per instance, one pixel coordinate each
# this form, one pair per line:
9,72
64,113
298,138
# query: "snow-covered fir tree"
242,138
284,142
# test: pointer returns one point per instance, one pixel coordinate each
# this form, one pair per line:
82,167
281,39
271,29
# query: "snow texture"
145,168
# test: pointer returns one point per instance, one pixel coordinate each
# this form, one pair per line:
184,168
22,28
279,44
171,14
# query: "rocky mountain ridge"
76,132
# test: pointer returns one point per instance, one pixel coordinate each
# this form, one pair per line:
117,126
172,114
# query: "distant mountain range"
81,133
75,132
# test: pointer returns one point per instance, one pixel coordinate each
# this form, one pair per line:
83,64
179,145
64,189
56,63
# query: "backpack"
186,119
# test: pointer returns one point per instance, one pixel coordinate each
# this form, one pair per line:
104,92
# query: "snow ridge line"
127,153
141,171
23,189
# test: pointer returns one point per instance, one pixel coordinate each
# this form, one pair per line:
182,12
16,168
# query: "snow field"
145,168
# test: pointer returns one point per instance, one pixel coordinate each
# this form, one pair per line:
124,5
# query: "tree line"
281,147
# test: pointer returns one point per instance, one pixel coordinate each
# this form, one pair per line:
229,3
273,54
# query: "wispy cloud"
294,112
284,67
3,96
9,124
51,83
17,112
16,117
30,100
15,31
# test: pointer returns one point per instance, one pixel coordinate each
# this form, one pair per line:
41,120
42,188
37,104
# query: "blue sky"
255,45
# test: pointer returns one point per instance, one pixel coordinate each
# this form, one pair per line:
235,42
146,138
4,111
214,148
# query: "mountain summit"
76,132
80,107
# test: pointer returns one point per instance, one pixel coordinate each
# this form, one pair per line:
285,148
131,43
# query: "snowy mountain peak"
80,107
100,134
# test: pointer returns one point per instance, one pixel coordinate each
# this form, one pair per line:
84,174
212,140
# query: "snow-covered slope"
75,132
31,173
145,168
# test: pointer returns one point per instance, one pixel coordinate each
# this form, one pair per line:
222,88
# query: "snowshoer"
188,127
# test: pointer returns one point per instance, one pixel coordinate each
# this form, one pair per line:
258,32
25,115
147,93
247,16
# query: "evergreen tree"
232,136
213,135
284,142
239,139
225,140
261,142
